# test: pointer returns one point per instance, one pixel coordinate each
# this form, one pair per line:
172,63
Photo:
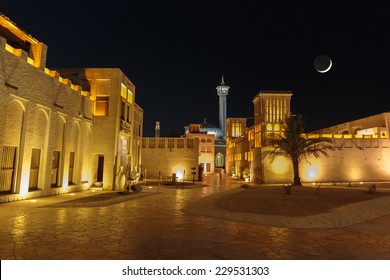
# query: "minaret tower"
222,91
157,130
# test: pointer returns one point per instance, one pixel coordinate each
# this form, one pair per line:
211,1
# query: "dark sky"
175,52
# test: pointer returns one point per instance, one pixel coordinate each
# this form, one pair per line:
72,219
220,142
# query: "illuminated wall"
38,111
118,122
353,160
361,147
170,155
206,150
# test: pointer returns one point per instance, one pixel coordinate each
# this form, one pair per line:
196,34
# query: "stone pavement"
153,226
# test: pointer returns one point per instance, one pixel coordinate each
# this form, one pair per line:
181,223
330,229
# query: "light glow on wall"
24,183
355,173
310,170
179,174
280,165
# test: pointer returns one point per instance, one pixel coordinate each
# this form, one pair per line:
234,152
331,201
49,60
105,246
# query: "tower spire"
222,92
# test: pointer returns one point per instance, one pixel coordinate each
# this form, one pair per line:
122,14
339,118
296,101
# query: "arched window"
219,160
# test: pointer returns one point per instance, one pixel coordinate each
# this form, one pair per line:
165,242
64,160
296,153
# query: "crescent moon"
327,69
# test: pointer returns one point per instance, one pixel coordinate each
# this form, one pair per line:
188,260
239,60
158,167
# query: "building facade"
46,122
206,147
118,124
165,156
62,130
361,147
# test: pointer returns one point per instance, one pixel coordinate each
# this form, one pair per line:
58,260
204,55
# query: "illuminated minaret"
222,91
157,130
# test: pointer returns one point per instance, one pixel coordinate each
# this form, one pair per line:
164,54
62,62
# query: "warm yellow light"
74,87
85,93
130,96
355,173
17,52
63,80
280,165
123,91
312,136
33,200
326,135
25,178
49,72
311,171
179,174
30,61
72,194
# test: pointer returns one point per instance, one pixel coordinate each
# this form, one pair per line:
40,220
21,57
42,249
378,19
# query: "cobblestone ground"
154,227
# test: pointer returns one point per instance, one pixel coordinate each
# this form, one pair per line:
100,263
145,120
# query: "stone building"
206,146
62,130
361,147
46,122
118,123
165,156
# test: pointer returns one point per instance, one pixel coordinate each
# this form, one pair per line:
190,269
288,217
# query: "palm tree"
293,144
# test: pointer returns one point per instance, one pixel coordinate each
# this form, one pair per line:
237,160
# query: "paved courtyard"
153,226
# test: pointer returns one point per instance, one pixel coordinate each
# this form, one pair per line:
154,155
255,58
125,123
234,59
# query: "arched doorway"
219,160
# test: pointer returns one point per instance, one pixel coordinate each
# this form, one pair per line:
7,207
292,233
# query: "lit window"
129,96
101,106
236,129
123,91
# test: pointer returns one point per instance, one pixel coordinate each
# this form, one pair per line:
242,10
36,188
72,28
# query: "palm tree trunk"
297,179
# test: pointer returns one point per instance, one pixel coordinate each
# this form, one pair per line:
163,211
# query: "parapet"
22,45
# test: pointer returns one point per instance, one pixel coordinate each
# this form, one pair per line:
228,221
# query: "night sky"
176,51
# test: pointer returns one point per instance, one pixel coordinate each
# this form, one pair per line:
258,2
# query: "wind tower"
222,91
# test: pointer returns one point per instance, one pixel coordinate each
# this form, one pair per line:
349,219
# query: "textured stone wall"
40,110
170,160
353,160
